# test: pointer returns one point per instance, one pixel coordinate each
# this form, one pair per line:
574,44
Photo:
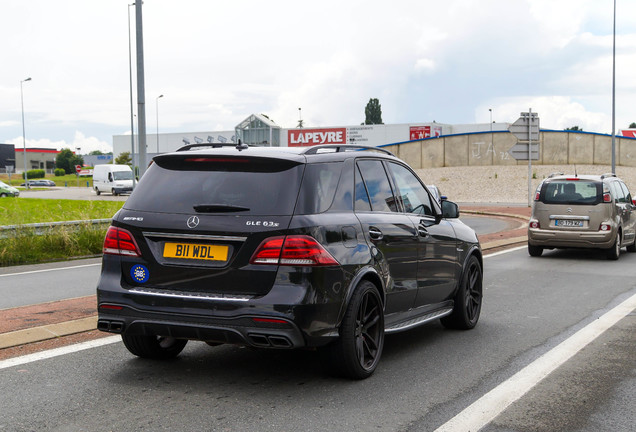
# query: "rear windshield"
226,185
572,192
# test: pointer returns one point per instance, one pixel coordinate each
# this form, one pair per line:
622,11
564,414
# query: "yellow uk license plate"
195,251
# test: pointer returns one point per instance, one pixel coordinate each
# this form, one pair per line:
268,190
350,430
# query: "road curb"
46,332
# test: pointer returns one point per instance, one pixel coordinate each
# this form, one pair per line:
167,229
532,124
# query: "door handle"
375,233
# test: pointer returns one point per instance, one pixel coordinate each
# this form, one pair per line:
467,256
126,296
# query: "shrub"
59,172
33,174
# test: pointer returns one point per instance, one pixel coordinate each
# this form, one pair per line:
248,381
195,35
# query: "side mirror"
450,210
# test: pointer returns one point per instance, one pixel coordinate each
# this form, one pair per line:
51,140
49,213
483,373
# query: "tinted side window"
319,187
362,198
628,196
412,194
617,192
378,186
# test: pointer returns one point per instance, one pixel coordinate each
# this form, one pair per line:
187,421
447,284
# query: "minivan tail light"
294,250
535,225
607,197
537,195
119,241
605,227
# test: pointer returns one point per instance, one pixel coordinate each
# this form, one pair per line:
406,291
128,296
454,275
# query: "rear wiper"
218,208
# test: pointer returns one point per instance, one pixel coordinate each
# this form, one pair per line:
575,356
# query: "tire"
615,251
356,353
154,347
632,247
468,298
114,192
97,191
3,195
535,251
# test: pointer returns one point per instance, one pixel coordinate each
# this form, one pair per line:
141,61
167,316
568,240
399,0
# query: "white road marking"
493,403
494,254
52,269
30,358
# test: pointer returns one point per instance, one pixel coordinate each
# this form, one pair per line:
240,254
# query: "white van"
116,179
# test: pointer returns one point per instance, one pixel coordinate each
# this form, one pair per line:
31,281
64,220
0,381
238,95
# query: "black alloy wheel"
468,298
357,352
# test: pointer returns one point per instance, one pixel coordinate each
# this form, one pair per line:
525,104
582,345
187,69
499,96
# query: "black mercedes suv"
325,247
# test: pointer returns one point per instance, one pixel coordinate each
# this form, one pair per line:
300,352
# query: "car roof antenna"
240,146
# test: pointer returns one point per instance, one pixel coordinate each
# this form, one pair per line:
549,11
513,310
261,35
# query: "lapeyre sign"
309,137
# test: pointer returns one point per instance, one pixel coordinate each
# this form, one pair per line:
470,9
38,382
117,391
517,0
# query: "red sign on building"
310,137
419,132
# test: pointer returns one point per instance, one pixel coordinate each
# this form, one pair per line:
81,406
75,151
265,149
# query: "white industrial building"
258,129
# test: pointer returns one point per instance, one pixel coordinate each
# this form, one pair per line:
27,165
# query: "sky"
217,62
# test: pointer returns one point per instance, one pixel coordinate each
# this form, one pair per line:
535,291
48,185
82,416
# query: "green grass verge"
26,246
57,244
19,211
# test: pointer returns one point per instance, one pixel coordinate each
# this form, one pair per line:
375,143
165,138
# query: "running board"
414,322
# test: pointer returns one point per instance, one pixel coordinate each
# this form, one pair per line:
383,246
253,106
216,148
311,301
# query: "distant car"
40,183
583,211
436,192
8,191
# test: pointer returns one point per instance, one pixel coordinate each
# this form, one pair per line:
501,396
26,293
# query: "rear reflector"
295,250
110,306
119,241
270,320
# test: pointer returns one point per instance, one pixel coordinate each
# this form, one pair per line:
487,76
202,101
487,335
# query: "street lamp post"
157,109
132,124
26,182
614,93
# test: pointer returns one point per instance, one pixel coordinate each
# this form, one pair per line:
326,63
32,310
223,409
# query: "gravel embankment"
506,184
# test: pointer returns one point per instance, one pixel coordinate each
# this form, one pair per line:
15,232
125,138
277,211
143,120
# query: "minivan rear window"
224,185
574,192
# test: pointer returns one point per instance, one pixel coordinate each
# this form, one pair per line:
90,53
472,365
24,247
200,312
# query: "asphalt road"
34,284
426,377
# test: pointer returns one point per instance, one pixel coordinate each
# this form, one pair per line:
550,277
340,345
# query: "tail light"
119,241
607,197
537,195
535,224
296,250
605,227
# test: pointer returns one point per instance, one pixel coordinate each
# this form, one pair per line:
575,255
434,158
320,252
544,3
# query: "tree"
373,112
574,128
67,160
96,153
124,159
632,126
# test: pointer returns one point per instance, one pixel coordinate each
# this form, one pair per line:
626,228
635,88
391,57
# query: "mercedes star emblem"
193,221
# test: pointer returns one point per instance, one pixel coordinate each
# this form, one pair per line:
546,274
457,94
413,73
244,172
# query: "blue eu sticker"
140,273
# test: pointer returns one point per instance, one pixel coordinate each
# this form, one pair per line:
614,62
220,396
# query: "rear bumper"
571,239
241,330
290,315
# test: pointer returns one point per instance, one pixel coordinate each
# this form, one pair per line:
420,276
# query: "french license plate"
195,251
568,223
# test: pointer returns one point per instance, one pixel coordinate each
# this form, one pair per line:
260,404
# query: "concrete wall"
485,148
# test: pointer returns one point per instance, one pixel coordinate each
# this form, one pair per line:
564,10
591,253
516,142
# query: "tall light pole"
157,109
141,89
300,119
26,181
490,109
614,94
132,123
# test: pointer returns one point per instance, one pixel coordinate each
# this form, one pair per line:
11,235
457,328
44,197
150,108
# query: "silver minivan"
582,211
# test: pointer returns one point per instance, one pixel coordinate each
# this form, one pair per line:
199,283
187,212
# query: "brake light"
572,179
535,224
119,241
536,196
296,250
605,227
607,197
